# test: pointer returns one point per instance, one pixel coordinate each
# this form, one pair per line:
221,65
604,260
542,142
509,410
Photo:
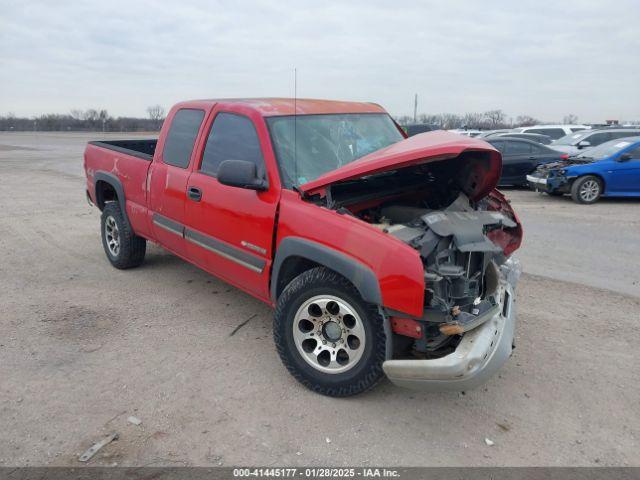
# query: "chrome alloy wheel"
329,334
113,235
589,190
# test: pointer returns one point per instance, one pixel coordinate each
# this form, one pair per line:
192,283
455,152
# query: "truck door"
229,230
168,179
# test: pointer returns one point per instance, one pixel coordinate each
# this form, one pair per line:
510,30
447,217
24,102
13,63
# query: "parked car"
572,144
534,137
553,131
466,132
380,253
608,170
491,133
521,157
417,128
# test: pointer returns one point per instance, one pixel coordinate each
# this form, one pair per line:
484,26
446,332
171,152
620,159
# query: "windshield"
313,145
572,139
605,150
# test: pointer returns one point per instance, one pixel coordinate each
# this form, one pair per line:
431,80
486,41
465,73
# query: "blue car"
611,169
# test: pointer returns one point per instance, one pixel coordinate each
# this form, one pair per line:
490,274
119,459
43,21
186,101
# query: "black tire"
366,372
580,193
131,248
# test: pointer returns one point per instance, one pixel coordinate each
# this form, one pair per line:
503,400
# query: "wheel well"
290,269
598,176
105,193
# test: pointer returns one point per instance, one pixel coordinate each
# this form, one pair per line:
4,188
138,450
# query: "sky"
542,58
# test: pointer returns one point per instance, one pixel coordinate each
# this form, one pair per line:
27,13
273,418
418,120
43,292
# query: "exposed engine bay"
458,243
460,261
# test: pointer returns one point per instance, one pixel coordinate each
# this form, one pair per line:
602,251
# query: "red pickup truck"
381,254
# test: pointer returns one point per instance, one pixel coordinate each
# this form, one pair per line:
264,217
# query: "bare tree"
76,114
570,119
526,121
472,120
156,112
495,118
404,120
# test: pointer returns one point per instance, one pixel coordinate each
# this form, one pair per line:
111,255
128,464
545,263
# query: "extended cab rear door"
168,177
229,230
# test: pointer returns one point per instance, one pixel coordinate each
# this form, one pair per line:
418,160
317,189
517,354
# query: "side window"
635,153
232,137
539,150
181,137
518,148
615,135
554,133
577,129
598,138
498,145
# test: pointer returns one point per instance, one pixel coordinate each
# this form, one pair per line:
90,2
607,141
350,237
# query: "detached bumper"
480,353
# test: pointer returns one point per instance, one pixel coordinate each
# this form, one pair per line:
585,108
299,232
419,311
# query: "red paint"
233,215
406,326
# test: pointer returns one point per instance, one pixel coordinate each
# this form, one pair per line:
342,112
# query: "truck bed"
143,148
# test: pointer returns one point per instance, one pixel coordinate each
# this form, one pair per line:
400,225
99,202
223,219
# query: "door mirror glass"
240,173
584,144
624,157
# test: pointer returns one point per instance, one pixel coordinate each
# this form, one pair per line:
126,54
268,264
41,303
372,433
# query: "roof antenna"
295,123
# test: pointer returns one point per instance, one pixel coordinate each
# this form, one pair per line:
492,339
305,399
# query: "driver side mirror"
242,174
625,157
584,144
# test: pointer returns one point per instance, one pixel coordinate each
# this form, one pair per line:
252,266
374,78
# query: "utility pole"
415,109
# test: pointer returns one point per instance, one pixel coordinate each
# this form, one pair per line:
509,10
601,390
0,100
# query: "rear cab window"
181,137
232,137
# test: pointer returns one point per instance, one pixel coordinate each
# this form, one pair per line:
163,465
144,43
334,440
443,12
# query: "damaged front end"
466,331
465,232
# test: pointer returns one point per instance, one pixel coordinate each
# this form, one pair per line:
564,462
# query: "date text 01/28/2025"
316,472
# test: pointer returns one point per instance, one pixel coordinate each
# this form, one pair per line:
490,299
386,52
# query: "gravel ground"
84,346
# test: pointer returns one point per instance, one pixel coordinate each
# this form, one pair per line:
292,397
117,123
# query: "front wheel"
586,189
329,339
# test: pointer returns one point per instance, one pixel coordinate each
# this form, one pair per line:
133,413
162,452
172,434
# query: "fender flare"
115,182
360,275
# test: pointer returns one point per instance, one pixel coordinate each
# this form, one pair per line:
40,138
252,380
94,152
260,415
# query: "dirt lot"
84,346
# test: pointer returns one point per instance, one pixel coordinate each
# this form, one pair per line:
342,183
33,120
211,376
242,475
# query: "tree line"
90,120
489,120
93,120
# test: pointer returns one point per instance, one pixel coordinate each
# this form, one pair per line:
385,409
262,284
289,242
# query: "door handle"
195,194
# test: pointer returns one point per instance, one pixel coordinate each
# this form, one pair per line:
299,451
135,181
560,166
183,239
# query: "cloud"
546,59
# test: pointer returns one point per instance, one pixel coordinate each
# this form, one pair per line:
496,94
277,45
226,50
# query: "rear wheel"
586,189
329,339
124,248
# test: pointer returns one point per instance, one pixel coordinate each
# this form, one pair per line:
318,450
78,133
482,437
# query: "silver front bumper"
532,179
480,353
